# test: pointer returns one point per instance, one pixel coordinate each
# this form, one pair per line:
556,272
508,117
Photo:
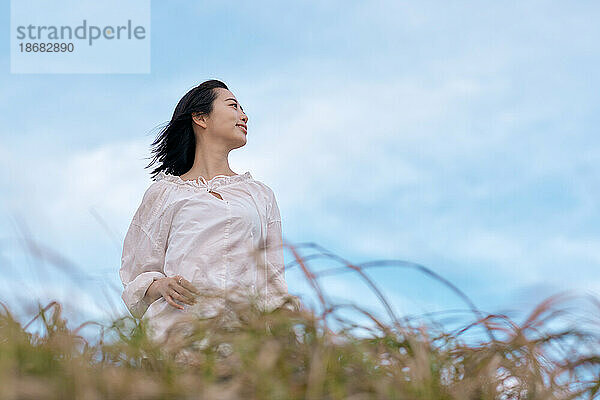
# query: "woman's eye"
235,105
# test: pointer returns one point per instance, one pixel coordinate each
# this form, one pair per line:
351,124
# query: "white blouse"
227,246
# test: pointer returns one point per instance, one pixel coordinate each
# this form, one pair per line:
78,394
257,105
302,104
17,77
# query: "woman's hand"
173,288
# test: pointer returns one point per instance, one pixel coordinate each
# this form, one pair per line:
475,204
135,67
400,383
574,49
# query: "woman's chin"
239,143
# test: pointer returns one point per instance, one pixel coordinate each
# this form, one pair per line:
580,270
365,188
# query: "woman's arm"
276,285
144,250
141,263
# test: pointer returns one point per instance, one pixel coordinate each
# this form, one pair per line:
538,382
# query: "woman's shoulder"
270,200
262,186
267,193
157,198
157,190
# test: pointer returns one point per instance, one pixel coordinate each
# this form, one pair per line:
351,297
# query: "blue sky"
458,136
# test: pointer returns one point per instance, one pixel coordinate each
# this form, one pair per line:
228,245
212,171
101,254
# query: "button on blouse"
223,246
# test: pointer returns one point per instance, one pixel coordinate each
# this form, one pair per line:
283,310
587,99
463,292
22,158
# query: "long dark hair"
175,145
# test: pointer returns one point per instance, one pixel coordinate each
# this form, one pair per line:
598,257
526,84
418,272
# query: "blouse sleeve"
144,249
276,284
274,247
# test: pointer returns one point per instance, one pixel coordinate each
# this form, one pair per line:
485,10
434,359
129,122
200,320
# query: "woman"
201,228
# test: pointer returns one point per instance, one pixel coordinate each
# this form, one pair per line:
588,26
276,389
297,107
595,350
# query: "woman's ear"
199,119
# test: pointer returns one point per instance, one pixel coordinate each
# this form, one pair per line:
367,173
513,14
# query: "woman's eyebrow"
236,102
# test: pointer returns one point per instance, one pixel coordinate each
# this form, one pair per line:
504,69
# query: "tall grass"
246,352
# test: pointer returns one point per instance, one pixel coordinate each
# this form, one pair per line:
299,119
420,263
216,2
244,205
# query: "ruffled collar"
216,181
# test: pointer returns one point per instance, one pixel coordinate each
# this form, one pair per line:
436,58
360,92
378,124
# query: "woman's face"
227,123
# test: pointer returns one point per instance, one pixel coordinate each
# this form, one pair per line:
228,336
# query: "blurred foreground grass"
291,353
283,354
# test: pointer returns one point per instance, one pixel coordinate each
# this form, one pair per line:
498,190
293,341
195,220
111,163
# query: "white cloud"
56,193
